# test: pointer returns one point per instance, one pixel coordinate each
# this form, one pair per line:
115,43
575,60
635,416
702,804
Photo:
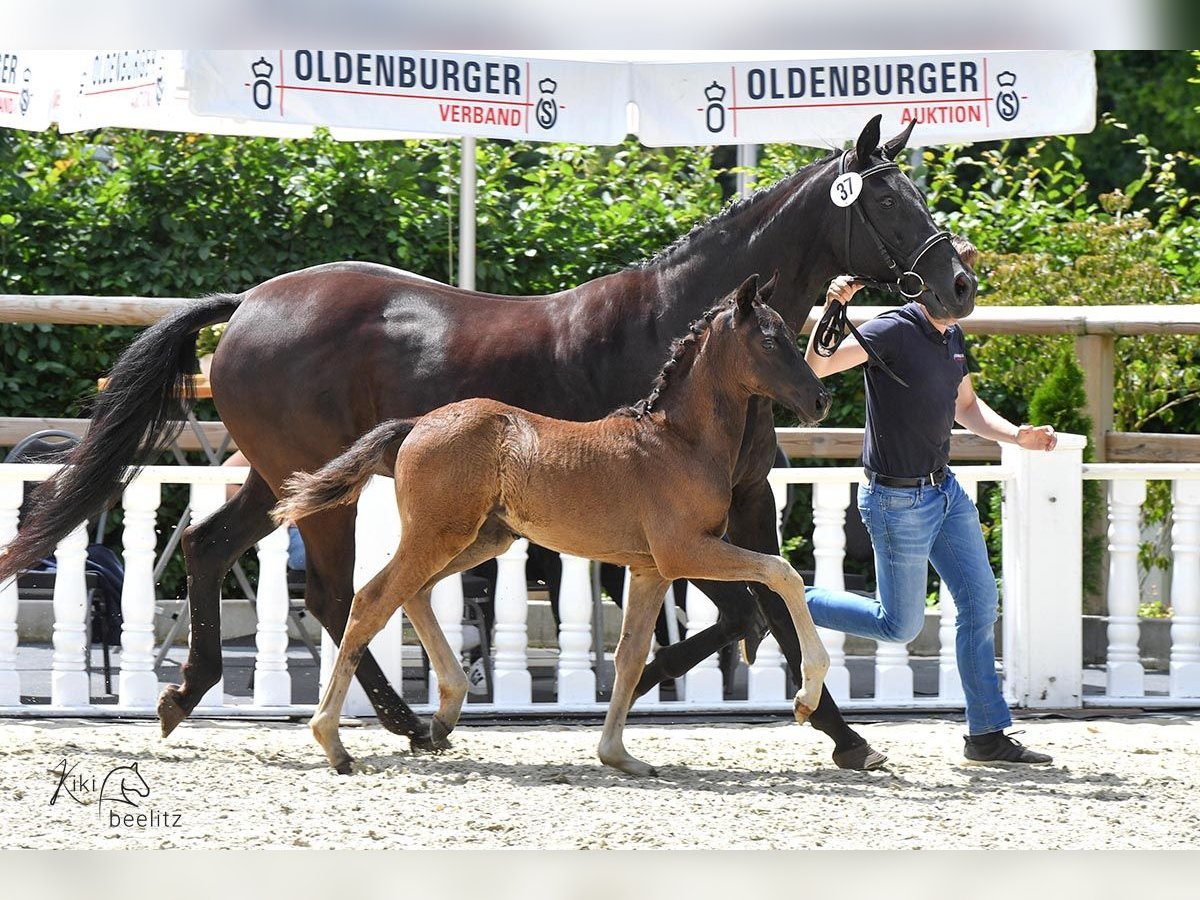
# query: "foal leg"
714,559
646,591
452,682
329,587
210,549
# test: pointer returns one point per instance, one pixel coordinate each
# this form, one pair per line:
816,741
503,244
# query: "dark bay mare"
312,360
647,487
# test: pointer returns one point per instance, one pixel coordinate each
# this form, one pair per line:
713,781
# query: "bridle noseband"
915,286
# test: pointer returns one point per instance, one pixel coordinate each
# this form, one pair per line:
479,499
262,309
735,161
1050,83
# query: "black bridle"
835,324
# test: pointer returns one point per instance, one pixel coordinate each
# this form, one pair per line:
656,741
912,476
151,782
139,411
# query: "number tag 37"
845,189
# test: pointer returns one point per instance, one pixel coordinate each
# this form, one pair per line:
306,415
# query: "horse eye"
887,202
768,343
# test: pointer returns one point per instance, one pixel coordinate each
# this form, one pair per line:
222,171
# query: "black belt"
936,477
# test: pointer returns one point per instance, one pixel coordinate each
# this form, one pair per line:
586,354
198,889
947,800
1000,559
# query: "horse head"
887,233
769,362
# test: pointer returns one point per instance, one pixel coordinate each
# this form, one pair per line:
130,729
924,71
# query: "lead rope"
832,330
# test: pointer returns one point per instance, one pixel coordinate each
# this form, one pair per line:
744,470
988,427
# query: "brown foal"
648,487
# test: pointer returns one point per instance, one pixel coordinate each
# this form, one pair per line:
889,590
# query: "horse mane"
731,210
678,364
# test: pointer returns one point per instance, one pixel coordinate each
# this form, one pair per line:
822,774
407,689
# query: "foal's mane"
678,364
733,209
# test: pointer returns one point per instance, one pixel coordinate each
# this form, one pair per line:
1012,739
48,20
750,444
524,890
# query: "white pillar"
138,684
766,680
69,677
447,602
272,684
829,552
206,499
893,674
1125,671
514,684
705,683
466,215
10,682
576,678
1185,590
1043,574
949,680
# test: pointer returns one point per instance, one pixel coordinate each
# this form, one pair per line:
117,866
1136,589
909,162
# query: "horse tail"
137,416
342,479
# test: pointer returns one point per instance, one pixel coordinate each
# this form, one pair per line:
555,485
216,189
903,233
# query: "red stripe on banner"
517,103
987,101
132,87
859,103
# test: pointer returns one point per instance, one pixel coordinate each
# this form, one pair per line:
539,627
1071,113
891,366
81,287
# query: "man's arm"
850,353
977,417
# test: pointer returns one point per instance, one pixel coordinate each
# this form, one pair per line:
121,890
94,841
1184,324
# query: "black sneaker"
998,748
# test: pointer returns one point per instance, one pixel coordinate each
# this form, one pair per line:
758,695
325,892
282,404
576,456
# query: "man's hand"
842,289
1040,438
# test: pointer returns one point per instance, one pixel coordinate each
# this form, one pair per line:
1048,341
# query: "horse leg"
329,549
752,525
452,682
714,559
210,549
646,590
412,572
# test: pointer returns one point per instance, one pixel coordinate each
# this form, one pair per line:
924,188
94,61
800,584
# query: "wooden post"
1095,355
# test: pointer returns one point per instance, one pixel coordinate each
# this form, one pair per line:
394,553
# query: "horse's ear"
133,766
744,295
893,147
765,292
868,141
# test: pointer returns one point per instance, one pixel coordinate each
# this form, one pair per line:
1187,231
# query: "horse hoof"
802,712
631,766
862,758
429,743
344,767
170,710
439,735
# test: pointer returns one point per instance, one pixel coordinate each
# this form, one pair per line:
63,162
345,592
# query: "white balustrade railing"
1041,604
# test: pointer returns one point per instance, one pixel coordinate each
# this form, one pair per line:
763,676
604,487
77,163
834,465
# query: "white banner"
421,91
27,86
954,97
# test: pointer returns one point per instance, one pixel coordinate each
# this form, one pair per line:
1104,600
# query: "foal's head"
766,360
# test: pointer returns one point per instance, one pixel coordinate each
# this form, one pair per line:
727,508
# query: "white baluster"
1125,672
138,685
1185,590
576,678
272,684
949,680
705,683
10,682
206,499
893,675
653,695
829,552
447,602
514,684
69,679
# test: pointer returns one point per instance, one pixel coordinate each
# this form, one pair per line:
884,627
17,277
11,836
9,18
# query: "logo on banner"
714,113
547,107
26,77
1008,104
260,88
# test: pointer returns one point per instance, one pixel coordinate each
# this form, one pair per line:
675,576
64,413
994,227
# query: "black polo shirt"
908,428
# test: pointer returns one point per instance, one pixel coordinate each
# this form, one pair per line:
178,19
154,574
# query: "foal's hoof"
801,712
862,758
344,767
170,710
631,766
430,742
440,734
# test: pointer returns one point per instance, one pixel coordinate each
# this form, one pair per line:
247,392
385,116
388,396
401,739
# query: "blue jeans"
910,528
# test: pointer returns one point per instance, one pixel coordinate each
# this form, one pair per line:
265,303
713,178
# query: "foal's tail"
134,418
342,479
